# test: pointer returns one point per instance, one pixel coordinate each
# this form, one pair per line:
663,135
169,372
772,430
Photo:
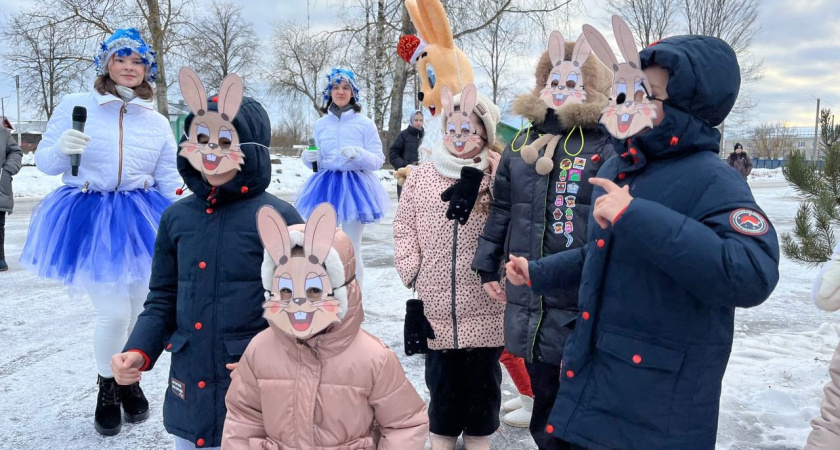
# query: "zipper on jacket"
85,187
454,267
542,251
119,175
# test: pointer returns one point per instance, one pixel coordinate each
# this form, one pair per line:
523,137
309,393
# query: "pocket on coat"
635,380
235,345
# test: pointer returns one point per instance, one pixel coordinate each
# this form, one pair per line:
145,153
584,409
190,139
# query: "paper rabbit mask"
565,81
212,146
630,109
440,63
301,298
460,135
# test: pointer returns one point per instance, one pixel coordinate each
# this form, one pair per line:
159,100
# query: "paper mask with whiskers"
212,146
460,135
564,85
629,110
301,301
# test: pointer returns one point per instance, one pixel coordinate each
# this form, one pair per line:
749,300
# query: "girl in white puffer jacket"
97,232
349,150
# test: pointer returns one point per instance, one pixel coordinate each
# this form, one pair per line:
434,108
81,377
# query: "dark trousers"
545,382
399,191
2,235
465,387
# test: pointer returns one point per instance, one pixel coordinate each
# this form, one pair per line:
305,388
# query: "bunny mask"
303,271
460,134
565,82
630,109
440,63
212,146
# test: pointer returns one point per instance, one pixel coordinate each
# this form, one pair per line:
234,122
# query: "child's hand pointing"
608,208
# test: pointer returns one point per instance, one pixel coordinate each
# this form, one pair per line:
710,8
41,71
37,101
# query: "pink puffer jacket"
463,316
341,390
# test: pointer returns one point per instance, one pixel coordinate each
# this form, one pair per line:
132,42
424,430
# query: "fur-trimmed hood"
597,81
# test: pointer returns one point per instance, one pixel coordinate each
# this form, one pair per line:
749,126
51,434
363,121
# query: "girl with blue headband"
349,150
96,233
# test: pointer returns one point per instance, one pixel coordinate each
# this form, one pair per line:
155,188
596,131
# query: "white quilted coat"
131,150
351,130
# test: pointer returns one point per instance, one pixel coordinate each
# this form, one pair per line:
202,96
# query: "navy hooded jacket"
206,293
643,367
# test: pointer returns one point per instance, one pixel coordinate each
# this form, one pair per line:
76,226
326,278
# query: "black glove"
463,194
417,328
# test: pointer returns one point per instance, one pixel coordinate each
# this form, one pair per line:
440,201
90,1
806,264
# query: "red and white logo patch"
748,222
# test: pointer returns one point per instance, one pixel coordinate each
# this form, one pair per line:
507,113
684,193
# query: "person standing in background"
740,161
10,160
405,151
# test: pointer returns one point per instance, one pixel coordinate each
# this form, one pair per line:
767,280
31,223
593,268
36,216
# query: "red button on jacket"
198,325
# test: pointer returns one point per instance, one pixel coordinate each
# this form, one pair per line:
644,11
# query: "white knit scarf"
450,165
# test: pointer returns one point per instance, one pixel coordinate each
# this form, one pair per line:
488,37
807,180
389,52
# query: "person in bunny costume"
675,243
572,89
315,379
95,234
826,295
444,206
205,303
349,150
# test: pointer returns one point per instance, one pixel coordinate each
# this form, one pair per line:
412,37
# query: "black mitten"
417,328
463,194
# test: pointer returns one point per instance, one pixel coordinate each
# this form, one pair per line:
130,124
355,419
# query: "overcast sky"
799,42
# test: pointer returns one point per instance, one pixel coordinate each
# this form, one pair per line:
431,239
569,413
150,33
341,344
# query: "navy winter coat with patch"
206,294
643,367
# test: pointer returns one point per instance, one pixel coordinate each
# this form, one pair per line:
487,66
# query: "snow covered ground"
771,390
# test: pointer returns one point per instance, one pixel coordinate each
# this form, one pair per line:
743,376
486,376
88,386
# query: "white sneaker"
512,404
521,417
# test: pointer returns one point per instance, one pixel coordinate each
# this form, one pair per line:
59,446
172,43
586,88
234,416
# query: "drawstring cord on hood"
567,141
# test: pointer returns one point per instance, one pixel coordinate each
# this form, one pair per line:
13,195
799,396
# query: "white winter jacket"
130,148
351,130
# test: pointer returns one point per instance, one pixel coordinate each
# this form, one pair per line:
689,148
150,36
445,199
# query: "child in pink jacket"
442,211
314,379
826,428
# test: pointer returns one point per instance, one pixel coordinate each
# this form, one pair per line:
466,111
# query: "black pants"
399,191
2,235
465,387
545,382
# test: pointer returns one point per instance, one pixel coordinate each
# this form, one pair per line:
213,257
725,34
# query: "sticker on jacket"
572,188
178,388
564,174
580,163
566,164
575,175
560,188
748,222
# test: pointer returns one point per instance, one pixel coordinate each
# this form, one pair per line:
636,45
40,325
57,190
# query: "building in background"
30,132
774,141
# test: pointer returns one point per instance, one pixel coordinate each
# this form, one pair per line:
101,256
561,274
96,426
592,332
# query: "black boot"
107,419
134,403
3,266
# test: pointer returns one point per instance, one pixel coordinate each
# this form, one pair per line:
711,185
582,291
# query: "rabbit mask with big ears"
630,109
439,63
212,145
564,85
301,271
461,136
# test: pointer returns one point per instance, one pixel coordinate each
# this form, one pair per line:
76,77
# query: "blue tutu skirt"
94,238
356,196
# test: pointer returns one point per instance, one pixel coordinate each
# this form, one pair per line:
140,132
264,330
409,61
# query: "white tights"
354,231
117,308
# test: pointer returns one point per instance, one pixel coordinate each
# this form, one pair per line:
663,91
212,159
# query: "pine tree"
812,241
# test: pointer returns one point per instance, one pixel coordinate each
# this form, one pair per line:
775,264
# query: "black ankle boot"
3,266
134,403
107,419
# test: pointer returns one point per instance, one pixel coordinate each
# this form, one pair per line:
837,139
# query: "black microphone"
79,118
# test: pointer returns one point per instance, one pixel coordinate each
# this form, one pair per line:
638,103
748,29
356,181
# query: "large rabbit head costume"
212,146
630,109
308,272
439,62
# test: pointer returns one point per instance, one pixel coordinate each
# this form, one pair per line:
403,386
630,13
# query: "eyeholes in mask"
572,81
465,128
202,134
286,288
314,289
225,138
639,92
555,80
621,93
450,128
430,76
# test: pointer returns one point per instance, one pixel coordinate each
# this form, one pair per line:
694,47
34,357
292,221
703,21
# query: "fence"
761,163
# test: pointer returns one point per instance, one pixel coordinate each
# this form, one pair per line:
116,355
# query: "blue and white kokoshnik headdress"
123,43
336,76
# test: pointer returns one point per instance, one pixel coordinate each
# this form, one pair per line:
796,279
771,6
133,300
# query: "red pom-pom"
244,189
179,191
406,47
